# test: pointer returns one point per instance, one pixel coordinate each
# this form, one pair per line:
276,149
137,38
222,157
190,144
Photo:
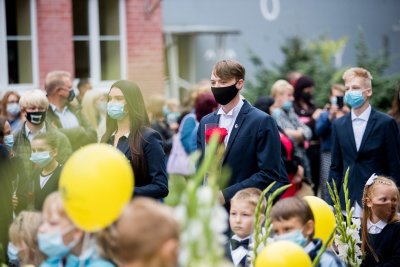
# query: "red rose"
221,132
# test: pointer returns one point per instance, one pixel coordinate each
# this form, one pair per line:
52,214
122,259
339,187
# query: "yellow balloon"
95,184
283,254
324,218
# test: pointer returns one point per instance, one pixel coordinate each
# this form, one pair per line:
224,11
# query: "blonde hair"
23,231
36,98
281,86
366,212
358,73
153,225
89,108
155,107
54,79
251,196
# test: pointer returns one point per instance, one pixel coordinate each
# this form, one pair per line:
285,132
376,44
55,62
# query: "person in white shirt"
65,116
365,140
241,221
252,145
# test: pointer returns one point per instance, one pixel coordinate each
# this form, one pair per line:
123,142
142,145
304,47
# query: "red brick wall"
55,32
145,47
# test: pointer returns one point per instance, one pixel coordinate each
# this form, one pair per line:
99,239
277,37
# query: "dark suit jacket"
78,136
379,153
253,152
155,183
51,186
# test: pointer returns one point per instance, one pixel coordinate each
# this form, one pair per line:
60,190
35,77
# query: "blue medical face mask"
287,105
116,110
41,158
354,99
276,113
13,109
52,244
9,141
295,236
12,252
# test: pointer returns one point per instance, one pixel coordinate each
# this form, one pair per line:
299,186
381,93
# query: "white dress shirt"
240,252
227,120
29,134
67,118
375,228
359,124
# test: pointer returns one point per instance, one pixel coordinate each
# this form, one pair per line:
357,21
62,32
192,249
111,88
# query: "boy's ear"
54,152
169,252
309,229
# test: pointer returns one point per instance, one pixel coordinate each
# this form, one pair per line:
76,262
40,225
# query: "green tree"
315,59
384,86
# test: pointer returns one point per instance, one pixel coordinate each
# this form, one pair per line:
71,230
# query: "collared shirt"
67,118
30,135
240,252
359,124
375,228
227,120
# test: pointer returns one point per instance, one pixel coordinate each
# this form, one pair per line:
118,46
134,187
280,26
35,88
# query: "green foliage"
384,87
315,59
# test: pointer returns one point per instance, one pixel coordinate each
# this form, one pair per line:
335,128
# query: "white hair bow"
371,179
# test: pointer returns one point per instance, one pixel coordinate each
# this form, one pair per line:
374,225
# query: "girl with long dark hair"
127,129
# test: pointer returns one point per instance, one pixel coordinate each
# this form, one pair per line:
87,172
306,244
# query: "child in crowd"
146,234
380,224
241,221
45,179
293,220
63,243
23,248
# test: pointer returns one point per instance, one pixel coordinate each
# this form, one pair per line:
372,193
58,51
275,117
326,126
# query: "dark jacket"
155,183
379,153
253,152
40,194
78,136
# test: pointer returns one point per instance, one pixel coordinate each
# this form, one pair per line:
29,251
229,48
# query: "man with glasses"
62,115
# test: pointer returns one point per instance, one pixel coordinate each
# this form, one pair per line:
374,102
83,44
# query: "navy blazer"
155,184
253,152
379,153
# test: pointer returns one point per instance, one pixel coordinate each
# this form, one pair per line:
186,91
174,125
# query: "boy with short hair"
241,221
293,220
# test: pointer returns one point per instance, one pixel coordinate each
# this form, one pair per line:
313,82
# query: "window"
18,43
99,39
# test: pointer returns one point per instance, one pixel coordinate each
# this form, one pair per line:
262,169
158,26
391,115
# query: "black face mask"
36,117
71,96
306,97
224,95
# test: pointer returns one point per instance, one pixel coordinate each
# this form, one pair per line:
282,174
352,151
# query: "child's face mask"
295,236
52,243
383,201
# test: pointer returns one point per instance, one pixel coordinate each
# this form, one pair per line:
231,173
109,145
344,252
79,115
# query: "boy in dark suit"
364,140
252,146
241,221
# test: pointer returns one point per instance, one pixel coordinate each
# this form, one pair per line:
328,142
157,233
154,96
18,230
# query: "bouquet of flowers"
347,238
203,220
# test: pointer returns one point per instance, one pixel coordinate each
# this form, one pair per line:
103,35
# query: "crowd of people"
283,139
